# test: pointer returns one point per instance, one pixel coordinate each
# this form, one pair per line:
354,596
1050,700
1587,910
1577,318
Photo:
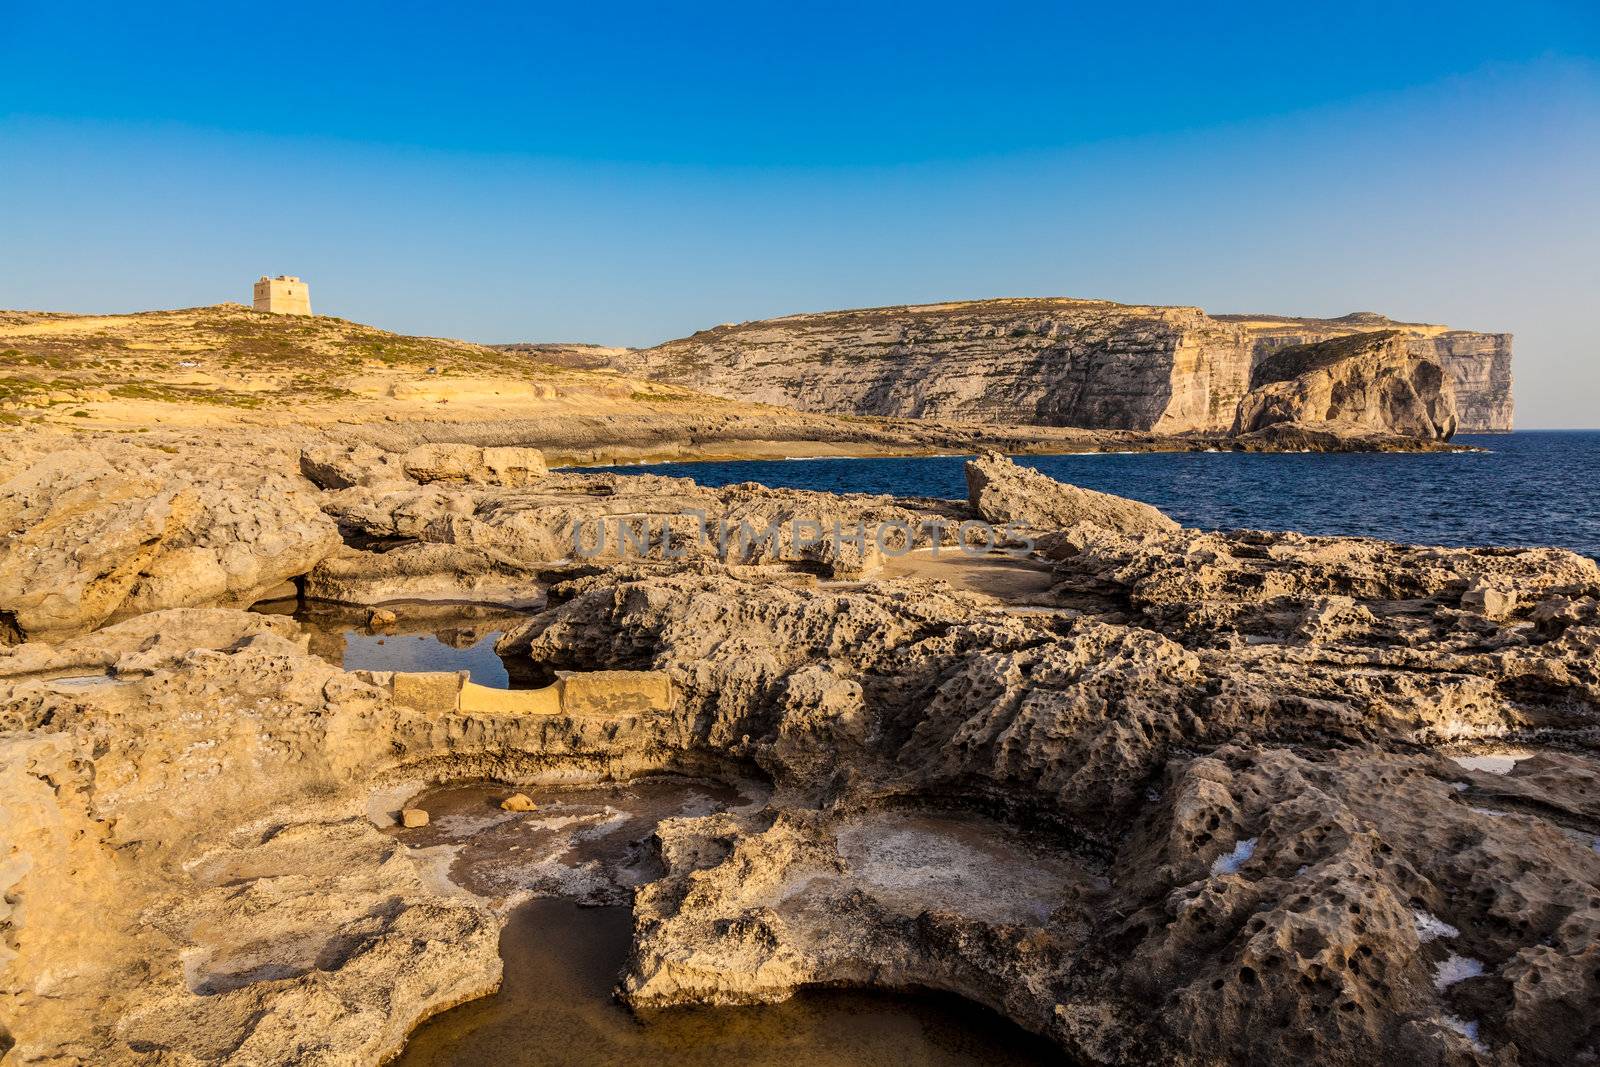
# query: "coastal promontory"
1090,364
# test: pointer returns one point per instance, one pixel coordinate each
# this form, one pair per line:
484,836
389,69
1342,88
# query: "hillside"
227,363
229,368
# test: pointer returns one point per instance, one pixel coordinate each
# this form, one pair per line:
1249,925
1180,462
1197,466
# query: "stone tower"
283,295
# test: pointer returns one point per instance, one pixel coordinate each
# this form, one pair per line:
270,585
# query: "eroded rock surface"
1005,493
96,534
1192,803
1227,737
1370,382
1057,362
1478,364
1087,363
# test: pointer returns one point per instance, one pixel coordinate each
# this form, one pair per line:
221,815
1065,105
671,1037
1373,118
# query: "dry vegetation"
215,363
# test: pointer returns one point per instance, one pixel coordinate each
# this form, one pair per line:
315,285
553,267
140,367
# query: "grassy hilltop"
229,363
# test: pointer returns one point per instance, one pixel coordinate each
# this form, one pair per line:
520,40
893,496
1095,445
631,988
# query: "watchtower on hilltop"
283,295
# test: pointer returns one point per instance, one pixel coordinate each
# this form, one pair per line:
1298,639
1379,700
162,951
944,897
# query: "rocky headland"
1478,364
1092,364
1373,381
198,374
1183,796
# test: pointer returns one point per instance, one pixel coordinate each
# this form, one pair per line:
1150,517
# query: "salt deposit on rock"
1230,863
1456,969
1196,810
1431,927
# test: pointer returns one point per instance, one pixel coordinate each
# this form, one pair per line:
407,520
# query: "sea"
1535,487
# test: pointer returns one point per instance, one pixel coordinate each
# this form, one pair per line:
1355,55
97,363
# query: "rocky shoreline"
1191,799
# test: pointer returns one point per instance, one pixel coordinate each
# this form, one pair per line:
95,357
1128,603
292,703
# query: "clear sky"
628,173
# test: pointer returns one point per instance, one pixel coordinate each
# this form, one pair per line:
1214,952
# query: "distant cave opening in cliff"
10,632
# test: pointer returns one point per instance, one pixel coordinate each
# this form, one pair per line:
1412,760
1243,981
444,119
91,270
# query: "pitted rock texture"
1371,383
1228,738
198,864
1192,805
192,878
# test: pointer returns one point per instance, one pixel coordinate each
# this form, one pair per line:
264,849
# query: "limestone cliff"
1055,362
1479,364
1369,382
1052,362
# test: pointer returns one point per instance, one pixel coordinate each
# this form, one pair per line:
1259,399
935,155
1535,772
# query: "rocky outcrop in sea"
1477,364
1372,382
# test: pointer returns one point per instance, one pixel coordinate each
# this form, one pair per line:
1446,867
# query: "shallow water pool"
588,844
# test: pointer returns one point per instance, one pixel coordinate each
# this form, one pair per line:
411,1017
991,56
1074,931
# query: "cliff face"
1367,382
1053,362
1478,364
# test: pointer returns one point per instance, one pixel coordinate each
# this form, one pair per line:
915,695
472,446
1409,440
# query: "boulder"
89,537
471,465
412,818
346,466
1004,493
517,802
1491,598
514,466
421,572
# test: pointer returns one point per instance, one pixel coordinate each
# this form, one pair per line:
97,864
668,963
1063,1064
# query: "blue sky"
629,173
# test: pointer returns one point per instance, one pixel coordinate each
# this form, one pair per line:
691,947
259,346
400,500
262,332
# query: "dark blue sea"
1528,488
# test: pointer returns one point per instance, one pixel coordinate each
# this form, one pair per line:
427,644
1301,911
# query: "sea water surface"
1527,488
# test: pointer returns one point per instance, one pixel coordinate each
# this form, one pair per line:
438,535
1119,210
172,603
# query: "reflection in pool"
555,1008
425,637
588,843
368,651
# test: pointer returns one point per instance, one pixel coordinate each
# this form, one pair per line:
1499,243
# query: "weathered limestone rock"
1005,493
496,537
94,535
1295,864
1489,597
1186,807
421,572
1056,362
518,802
1059,362
1369,382
413,818
1478,364
196,802
333,466
469,464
